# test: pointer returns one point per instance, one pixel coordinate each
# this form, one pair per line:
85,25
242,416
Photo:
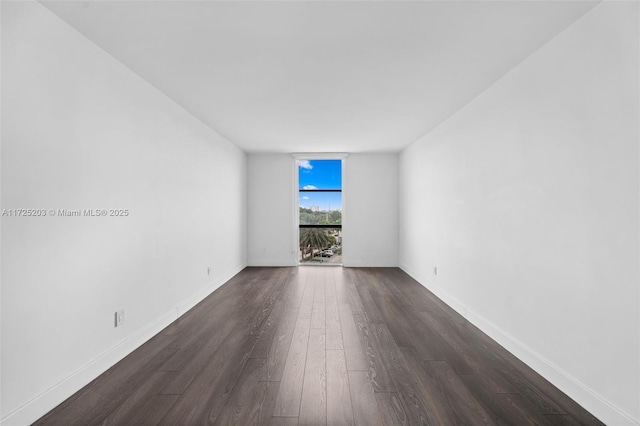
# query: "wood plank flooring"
320,346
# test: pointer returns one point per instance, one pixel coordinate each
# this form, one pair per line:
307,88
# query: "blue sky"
320,174
324,200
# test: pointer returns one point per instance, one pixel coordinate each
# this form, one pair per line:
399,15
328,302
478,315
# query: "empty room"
320,212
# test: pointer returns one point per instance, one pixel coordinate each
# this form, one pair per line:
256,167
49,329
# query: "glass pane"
320,208
320,245
320,174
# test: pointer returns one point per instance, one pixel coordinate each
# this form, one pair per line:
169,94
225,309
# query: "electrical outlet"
119,318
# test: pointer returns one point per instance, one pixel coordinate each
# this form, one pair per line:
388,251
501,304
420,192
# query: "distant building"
315,208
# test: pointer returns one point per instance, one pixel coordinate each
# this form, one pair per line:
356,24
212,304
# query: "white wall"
371,217
81,131
527,202
270,223
370,225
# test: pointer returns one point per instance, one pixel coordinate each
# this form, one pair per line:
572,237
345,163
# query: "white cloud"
305,164
309,187
305,198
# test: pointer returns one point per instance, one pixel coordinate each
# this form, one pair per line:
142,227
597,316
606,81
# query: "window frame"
296,194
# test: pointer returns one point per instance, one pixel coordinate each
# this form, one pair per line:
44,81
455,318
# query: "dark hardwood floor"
320,345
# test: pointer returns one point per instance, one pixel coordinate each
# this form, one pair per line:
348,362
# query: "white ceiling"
321,76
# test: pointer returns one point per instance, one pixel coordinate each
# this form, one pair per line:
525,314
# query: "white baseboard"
272,262
368,264
46,401
583,395
188,303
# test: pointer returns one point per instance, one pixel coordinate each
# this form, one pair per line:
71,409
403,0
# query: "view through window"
320,206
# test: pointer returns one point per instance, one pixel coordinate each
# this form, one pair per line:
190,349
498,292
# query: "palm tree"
313,238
